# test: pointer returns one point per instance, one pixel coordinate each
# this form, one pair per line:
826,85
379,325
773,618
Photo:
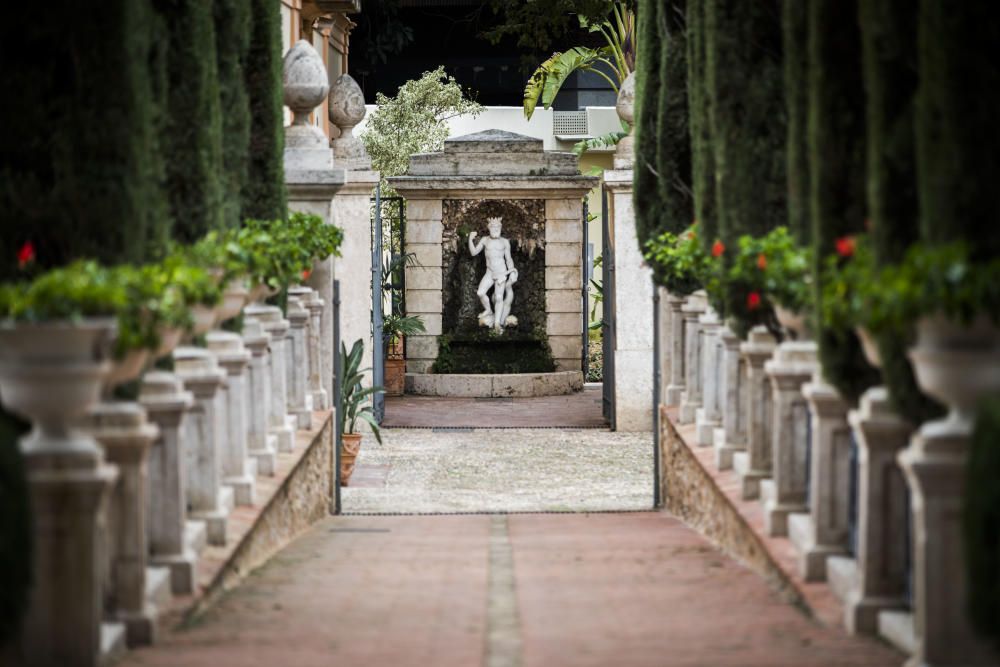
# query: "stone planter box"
518,385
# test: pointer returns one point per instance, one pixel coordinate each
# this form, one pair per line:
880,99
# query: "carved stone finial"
347,109
305,88
625,154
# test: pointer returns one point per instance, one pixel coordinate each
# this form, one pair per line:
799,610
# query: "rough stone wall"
303,499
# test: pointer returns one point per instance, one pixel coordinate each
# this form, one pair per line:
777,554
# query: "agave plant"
353,395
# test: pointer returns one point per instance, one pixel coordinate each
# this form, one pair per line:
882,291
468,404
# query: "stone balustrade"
692,311
754,464
731,436
708,417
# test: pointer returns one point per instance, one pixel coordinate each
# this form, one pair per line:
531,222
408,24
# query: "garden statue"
500,274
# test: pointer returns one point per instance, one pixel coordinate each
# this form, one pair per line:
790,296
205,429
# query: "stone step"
243,488
896,627
113,644
800,531
195,536
842,575
768,491
750,484
158,588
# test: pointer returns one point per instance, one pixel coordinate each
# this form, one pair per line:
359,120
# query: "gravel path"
504,470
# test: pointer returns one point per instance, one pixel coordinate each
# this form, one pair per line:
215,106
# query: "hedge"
702,162
648,83
795,49
232,29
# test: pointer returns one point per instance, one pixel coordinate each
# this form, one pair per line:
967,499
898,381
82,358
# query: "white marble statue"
501,275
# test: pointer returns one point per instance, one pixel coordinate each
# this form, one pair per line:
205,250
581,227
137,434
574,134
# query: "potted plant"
353,407
394,329
679,261
774,273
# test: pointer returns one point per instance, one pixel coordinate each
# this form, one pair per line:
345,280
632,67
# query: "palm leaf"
547,80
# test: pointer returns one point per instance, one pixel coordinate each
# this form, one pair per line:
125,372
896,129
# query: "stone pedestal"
261,445
633,301
792,366
875,579
823,532
731,437
166,404
280,424
675,351
314,384
238,472
208,500
122,430
754,465
691,396
708,417
299,399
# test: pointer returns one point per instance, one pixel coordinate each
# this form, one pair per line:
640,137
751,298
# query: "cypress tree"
648,76
232,29
748,128
889,47
699,109
673,149
264,191
958,147
192,137
836,169
796,61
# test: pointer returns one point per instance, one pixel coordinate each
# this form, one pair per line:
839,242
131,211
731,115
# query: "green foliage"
352,396
795,34
679,261
541,25
980,519
278,252
836,170
264,194
396,326
601,141
232,29
414,121
508,353
767,271
699,118
81,289
648,81
192,136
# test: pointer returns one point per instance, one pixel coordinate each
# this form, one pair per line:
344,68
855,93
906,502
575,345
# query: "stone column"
792,366
314,385
875,579
238,472
676,383
261,445
280,425
424,231
691,396
708,417
663,340
563,282
122,430
633,311
731,437
166,404
754,465
208,500
299,400
823,532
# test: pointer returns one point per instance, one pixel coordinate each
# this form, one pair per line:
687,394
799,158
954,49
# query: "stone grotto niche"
465,346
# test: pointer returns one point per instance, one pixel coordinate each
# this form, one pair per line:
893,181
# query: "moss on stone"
264,195
232,29
836,169
487,352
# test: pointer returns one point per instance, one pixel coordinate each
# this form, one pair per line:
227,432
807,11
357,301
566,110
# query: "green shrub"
232,29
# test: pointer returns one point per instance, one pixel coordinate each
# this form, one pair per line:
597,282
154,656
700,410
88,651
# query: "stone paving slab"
502,470
626,590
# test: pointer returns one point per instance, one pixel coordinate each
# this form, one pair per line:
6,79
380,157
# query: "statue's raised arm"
475,249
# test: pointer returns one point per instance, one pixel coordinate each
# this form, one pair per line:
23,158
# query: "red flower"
306,274
753,301
761,261
718,248
26,255
845,246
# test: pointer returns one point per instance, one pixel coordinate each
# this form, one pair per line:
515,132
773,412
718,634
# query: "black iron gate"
608,313
388,222
338,415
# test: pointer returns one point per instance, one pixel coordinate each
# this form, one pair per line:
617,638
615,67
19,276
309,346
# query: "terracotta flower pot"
395,377
349,447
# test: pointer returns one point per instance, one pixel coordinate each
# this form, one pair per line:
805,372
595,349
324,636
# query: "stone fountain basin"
499,385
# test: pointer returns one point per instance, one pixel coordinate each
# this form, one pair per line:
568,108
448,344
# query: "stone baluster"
166,404
122,430
708,417
312,302
754,465
663,341
691,396
261,445
731,437
675,384
299,399
280,424
208,499
793,365
875,579
823,531
239,471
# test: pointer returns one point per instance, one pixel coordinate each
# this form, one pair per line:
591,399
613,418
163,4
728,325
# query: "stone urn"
52,373
261,291
625,106
350,445
127,368
234,297
957,364
796,324
170,337
869,346
204,318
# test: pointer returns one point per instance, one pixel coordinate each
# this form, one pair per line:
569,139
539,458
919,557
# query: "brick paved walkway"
520,590
579,410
